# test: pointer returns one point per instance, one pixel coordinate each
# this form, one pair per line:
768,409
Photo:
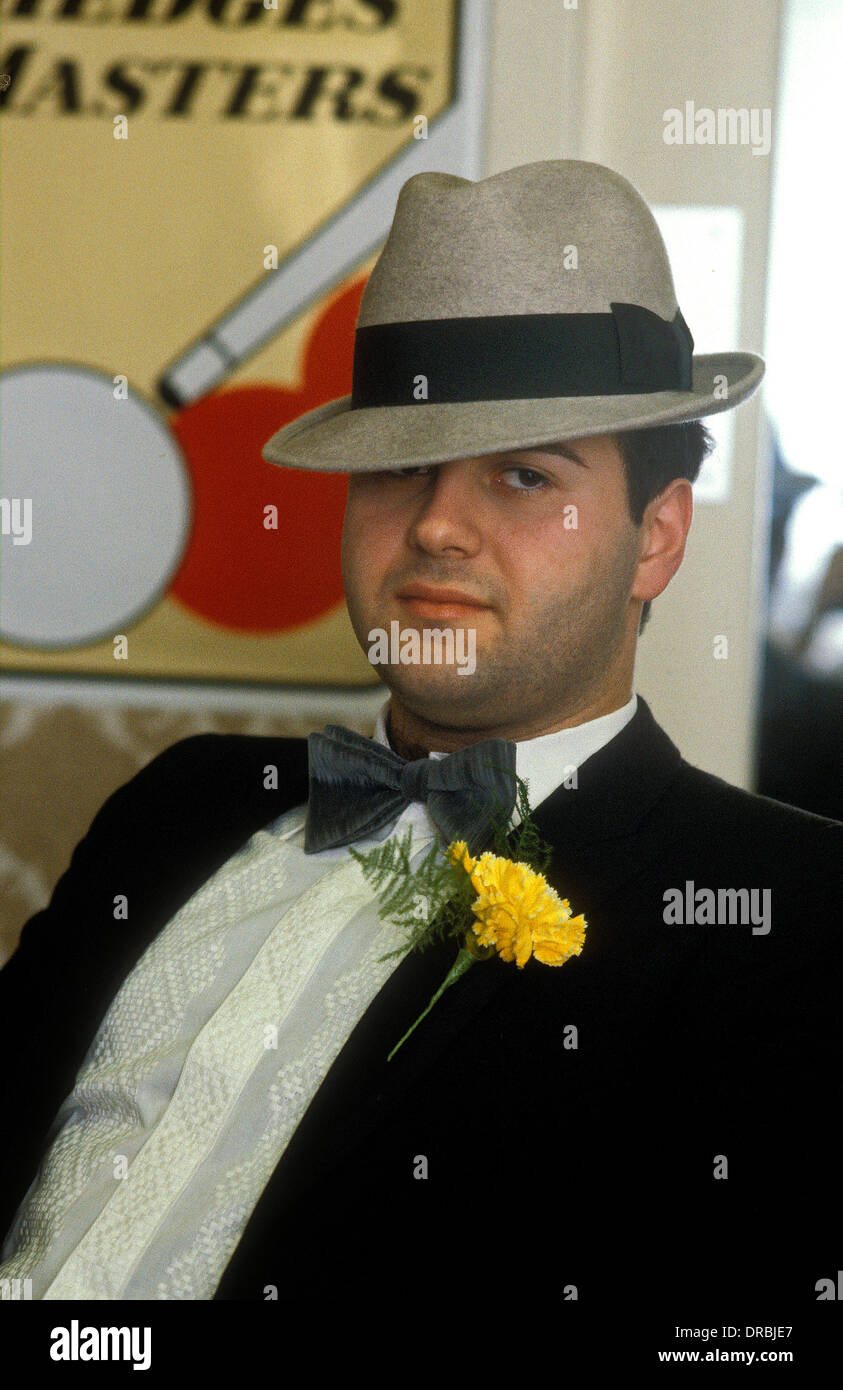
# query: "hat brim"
333,438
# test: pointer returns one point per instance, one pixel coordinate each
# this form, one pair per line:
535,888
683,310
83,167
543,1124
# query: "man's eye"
526,479
411,472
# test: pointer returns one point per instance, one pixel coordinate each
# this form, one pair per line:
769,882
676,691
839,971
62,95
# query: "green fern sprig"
444,887
523,842
427,903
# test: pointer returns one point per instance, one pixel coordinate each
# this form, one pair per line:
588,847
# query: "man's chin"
437,694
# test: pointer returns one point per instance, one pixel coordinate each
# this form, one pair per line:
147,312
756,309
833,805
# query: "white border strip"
311,702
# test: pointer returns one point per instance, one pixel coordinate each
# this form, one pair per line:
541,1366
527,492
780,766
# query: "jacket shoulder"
750,838
179,817
715,795
208,757
204,771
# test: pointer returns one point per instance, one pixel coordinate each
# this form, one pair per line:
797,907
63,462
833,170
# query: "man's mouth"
431,601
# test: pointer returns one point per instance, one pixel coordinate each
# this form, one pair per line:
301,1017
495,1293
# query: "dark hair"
652,458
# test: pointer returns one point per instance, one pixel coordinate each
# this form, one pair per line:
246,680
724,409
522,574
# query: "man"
208,1003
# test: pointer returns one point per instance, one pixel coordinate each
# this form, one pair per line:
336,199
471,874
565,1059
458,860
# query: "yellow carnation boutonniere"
492,904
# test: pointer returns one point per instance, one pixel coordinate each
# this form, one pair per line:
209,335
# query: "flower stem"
461,964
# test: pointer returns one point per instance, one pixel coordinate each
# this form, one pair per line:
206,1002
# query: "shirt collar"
545,762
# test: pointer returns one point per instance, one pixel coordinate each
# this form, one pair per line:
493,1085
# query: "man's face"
535,550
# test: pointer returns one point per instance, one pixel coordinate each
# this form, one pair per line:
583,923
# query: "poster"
177,284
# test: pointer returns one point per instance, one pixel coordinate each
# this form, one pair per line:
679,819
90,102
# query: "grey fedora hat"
532,306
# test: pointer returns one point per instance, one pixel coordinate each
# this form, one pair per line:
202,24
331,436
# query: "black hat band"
629,352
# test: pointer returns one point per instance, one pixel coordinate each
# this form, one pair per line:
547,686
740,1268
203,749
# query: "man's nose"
446,519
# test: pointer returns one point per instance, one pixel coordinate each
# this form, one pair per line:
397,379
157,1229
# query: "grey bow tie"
357,786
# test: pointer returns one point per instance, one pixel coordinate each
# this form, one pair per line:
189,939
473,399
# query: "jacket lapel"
608,826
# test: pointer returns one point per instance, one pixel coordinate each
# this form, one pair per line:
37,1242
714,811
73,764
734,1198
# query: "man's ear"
664,531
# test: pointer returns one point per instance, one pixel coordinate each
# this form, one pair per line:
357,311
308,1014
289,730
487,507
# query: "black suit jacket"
550,1166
